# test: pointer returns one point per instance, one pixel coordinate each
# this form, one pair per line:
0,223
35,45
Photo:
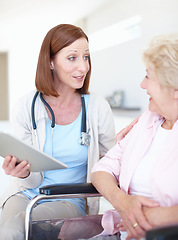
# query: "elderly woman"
144,164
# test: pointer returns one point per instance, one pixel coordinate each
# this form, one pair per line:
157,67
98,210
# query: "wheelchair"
80,227
60,191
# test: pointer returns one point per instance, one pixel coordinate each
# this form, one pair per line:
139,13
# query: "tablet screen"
39,161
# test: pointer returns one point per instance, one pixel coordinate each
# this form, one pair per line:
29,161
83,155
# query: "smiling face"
161,98
71,65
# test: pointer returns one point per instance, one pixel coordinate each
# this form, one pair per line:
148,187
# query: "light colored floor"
120,122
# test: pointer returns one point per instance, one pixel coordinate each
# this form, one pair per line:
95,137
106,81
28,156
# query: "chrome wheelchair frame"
62,191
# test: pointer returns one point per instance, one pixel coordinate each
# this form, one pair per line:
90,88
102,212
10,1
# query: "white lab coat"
100,125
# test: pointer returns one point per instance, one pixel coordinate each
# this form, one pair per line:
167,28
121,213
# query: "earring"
51,65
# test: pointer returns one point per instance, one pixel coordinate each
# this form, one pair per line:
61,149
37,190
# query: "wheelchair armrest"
78,188
163,233
58,191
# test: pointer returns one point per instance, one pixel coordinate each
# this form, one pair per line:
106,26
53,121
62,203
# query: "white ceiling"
69,10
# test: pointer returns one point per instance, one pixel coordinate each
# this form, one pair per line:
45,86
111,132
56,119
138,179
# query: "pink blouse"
123,158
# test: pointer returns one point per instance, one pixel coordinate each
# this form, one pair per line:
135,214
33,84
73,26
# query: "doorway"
4,95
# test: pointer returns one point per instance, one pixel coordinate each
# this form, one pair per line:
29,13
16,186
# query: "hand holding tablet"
38,160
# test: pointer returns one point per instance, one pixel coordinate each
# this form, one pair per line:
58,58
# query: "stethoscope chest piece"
85,139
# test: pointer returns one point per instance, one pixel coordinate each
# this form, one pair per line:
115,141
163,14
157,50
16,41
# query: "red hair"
56,39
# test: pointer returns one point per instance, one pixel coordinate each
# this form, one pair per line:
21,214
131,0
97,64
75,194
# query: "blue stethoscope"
84,138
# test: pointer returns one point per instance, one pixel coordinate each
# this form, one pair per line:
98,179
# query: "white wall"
120,67
23,26
4,179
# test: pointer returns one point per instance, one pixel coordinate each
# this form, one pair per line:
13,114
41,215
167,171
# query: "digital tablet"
39,161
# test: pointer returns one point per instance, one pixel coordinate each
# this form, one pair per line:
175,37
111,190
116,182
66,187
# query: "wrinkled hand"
20,170
125,130
131,212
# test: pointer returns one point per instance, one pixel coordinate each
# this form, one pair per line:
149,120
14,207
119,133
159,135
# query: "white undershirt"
140,182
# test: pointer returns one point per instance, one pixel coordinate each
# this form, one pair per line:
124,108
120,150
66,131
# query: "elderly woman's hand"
15,169
133,218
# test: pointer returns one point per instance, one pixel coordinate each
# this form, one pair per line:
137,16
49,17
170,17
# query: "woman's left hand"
157,216
133,218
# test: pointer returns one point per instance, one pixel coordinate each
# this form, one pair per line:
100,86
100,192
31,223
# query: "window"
115,34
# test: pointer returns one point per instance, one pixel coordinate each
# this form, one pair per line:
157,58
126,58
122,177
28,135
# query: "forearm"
129,207
107,185
32,181
173,214
162,215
